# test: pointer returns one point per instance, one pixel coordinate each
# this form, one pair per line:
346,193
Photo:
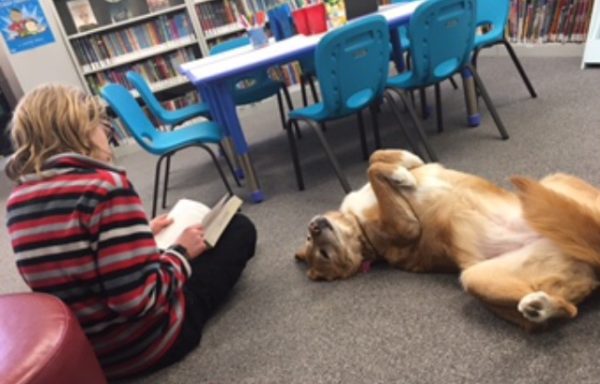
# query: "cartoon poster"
24,25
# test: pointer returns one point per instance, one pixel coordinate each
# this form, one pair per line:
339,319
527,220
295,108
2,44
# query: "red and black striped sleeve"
135,276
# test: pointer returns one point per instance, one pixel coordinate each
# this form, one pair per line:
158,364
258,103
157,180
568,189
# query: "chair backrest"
145,92
493,13
442,33
352,64
125,106
249,87
280,21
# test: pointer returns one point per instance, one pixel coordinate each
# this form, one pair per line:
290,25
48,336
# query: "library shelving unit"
219,19
104,45
549,21
106,38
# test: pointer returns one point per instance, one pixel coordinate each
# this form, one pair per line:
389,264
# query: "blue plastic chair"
405,47
254,86
493,15
162,143
442,34
282,26
352,66
165,116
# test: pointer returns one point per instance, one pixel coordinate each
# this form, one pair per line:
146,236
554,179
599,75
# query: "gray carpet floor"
385,326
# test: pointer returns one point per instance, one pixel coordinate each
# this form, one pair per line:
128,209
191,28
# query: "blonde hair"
49,120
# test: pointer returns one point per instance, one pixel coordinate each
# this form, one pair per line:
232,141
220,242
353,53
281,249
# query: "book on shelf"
157,5
188,212
541,21
119,10
82,14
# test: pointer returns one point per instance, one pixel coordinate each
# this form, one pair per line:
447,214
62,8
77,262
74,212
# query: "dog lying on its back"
529,256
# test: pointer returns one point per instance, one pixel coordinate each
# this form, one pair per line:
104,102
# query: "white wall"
48,63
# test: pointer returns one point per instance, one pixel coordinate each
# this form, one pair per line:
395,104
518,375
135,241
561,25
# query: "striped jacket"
79,232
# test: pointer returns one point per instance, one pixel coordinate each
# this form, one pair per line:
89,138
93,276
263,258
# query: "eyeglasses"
109,130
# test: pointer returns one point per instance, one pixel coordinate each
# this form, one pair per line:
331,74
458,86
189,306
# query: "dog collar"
366,263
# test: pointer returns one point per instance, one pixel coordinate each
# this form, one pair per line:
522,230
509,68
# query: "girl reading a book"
79,231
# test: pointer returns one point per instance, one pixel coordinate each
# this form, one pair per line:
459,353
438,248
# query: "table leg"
231,154
223,110
473,116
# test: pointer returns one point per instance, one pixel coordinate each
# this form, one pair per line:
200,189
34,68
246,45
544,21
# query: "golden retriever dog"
530,256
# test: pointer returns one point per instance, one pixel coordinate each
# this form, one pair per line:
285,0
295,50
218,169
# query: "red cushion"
42,342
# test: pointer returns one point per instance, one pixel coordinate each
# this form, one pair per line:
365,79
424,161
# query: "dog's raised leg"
396,156
388,180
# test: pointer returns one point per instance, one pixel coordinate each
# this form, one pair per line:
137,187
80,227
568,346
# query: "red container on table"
311,20
300,21
317,18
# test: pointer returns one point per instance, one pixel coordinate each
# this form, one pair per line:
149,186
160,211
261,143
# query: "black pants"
214,273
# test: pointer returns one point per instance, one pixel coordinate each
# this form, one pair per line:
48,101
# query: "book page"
184,213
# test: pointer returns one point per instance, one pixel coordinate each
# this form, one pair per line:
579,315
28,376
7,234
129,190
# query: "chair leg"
488,102
156,181
294,152
281,111
453,82
405,132
229,164
474,58
438,108
332,159
420,131
218,166
515,60
408,68
363,136
166,183
374,109
423,97
313,89
290,106
303,90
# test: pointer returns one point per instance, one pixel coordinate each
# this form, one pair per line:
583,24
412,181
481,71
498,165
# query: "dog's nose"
317,225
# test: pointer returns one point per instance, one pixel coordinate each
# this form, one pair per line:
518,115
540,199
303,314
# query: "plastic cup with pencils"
255,28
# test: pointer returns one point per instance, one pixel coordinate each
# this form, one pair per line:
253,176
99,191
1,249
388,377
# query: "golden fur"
529,256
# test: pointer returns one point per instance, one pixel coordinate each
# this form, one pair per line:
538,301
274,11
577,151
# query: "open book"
189,212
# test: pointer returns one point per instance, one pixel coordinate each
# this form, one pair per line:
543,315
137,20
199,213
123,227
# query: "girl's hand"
192,239
159,223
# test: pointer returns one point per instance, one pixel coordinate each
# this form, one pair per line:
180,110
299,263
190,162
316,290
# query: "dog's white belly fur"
357,202
506,232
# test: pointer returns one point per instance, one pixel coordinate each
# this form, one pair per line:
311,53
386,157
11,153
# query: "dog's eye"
324,254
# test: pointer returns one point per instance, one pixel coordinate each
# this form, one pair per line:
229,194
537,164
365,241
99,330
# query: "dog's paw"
537,307
402,178
410,160
397,156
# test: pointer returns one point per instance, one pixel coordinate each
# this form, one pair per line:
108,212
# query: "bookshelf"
549,21
106,38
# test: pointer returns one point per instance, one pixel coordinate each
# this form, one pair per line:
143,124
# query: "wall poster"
24,25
